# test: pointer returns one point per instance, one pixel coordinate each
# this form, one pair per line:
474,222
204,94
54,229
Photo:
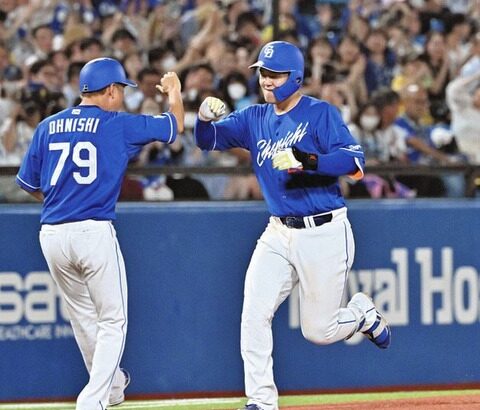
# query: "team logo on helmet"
268,52
85,88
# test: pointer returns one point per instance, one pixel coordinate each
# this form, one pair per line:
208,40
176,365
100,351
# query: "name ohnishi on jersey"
62,125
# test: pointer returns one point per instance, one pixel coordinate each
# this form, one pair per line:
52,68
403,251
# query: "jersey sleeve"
231,132
342,153
142,129
29,174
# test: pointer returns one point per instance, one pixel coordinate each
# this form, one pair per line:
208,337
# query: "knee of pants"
320,333
256,321
256,318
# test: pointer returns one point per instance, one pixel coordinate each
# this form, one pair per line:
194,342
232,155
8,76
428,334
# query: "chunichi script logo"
267,148
31,308
434,292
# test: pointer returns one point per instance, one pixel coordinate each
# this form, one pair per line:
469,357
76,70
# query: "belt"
299,222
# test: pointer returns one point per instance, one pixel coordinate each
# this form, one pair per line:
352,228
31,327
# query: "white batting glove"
285,159
212,108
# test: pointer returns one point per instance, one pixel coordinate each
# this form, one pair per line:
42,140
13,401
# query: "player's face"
270,80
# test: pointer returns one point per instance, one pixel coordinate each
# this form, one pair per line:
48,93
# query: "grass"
234,403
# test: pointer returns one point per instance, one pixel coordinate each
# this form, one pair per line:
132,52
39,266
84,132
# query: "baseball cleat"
251,407
379,333
120,398
373,324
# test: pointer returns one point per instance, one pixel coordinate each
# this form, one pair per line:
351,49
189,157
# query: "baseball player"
299,147
75,165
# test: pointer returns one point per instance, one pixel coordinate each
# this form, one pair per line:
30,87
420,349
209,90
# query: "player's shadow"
306,180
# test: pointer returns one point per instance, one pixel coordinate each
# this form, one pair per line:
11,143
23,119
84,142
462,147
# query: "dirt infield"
467,402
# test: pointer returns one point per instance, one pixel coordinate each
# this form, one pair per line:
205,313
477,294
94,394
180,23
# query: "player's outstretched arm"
212,108
170,85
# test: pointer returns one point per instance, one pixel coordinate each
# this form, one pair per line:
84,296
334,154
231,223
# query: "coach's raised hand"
170,85
212,108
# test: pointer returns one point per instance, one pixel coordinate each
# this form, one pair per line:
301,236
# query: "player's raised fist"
212,108
169,82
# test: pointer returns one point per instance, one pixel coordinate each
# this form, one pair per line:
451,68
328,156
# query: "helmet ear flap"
293,83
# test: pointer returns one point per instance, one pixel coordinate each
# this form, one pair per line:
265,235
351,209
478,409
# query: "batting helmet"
282,57
100,73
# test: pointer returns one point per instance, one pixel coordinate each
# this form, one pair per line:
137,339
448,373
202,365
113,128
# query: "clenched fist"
285,159
169,82
212,108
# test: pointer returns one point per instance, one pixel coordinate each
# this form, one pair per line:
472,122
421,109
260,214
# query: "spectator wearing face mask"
235,90
364,128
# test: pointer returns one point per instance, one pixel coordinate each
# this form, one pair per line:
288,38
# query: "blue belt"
298,222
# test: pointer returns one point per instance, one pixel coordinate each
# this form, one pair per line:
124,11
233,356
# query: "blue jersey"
415,130
312,126
78,158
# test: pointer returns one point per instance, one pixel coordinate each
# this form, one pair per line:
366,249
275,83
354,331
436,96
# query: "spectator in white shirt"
463,99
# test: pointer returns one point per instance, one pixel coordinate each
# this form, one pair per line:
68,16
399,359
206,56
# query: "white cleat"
119,398
373,325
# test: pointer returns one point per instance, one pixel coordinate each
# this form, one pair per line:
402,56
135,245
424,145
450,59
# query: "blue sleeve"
205,134
231,132
142,129
343,155
28,177
330,130
345,161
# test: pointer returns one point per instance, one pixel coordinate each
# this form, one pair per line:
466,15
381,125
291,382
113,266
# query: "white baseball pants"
317,258
85,261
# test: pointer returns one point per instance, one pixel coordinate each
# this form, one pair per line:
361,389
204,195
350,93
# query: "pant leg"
95,255
82,311
269,280
106,281
323,257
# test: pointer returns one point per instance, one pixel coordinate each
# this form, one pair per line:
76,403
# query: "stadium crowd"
404,74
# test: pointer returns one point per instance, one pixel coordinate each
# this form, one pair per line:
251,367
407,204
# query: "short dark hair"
245,18
38,65
384,96
196,67
156,54
122,33
39,27
74,69
147,71
90,41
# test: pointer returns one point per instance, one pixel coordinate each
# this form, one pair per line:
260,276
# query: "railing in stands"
470,171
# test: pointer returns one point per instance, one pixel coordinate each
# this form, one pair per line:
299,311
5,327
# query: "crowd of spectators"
405,76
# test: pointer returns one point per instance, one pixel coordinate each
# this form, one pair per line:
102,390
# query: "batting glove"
294,160
286,160
212,108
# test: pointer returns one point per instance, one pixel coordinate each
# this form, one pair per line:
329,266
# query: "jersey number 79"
90,162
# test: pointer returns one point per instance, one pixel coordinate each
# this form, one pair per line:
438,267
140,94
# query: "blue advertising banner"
186,264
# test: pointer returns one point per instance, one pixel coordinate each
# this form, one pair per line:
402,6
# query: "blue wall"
186,264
